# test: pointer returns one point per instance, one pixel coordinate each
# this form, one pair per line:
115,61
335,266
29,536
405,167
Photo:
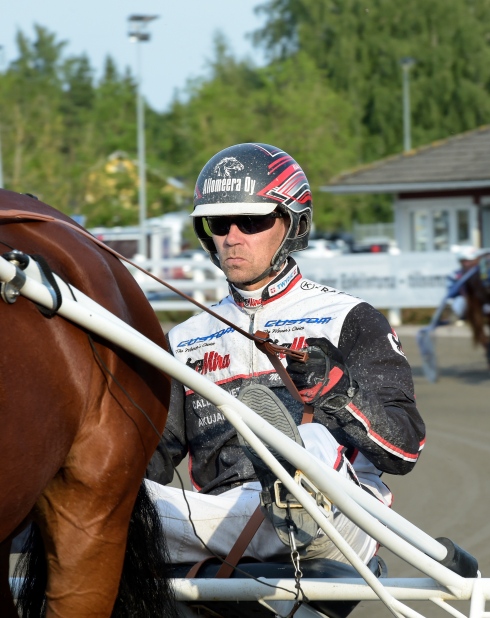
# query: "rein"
261,338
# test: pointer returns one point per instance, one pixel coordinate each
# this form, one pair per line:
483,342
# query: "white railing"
386,281
199,279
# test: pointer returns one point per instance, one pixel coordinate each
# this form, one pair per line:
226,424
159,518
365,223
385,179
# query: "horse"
476,291
80,420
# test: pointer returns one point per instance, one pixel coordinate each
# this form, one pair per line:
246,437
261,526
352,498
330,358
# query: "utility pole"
138,34
406,64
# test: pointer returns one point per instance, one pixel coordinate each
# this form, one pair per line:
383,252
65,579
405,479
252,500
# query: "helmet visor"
233,208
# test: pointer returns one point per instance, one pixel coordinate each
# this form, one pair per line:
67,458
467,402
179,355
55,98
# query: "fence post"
395,317
198,277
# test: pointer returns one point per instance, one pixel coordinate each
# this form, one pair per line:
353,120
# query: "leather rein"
261,338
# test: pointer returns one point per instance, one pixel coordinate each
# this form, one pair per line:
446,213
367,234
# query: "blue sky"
181,38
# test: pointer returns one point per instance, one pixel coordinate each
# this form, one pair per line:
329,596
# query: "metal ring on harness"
10,290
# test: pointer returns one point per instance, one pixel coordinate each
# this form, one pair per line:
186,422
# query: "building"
441,192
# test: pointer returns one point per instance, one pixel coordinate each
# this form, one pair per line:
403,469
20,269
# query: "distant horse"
476,290
74,440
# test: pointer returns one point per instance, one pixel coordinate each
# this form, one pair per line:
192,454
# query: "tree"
359,45
59,128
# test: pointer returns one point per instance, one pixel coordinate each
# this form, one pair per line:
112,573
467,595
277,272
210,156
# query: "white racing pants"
220,519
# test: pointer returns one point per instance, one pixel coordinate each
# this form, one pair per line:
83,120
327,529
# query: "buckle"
284,500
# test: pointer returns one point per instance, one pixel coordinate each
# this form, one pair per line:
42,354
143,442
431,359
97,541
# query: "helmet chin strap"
274,267
265,274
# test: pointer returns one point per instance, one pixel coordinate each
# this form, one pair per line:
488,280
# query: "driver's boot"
263,401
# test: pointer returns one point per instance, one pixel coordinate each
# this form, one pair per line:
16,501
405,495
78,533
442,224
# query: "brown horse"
74,440
477,293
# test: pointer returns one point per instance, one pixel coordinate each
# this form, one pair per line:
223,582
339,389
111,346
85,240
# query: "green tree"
60,127
359,45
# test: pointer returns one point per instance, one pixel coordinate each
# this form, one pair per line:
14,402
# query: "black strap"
48,274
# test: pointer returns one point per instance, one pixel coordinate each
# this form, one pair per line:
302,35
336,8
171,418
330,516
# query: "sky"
181,40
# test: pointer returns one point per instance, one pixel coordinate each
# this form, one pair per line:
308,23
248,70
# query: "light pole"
137,34
406,64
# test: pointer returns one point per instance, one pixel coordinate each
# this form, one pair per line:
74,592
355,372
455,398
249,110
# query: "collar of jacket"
279,286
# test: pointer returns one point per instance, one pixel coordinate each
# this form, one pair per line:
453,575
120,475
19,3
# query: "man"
252,208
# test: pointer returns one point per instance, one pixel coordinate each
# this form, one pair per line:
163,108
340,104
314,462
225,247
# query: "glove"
323,380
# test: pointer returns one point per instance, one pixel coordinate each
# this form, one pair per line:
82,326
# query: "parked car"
376,244
323,248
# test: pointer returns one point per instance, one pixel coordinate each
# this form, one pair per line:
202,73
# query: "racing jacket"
380,430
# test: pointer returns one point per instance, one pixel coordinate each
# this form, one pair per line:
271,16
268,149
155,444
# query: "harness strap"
241,544
194,570
257,517
55,290
236,552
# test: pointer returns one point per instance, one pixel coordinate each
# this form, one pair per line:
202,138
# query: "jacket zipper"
254,350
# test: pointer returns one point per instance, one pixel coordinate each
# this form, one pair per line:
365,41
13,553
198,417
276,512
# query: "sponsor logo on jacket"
293,321
212,361
210,419
297,344
252,302
217,335
395,343
281,285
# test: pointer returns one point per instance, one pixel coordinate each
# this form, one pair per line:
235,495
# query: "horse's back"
77,258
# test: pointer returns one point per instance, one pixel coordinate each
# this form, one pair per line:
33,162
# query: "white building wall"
431,224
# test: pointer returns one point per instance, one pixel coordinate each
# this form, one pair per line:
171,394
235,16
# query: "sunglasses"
247,224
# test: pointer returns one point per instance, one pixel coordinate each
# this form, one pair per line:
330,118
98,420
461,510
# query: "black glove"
323,380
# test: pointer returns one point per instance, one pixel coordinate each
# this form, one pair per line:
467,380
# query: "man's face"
243,257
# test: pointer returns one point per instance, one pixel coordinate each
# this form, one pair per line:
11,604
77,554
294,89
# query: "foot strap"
241,544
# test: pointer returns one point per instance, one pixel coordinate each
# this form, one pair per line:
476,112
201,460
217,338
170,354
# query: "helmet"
465,252
254,179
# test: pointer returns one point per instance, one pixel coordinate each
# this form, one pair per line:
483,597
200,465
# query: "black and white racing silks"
379,431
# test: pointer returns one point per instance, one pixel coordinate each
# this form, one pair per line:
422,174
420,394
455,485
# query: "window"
437,225
441,230
463,227
419,221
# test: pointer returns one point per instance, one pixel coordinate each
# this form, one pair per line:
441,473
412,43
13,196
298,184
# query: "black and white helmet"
254,179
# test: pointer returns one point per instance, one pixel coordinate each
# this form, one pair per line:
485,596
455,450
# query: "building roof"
460,162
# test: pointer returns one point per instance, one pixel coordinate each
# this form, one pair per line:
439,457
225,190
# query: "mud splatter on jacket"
381,428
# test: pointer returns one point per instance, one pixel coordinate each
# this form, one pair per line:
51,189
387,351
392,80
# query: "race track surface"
448,492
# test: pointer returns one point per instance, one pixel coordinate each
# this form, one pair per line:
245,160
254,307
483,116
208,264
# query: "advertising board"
384,280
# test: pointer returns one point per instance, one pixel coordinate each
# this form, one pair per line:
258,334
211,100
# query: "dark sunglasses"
247,224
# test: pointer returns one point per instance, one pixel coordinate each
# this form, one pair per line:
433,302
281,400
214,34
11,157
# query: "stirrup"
281,499
263,401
